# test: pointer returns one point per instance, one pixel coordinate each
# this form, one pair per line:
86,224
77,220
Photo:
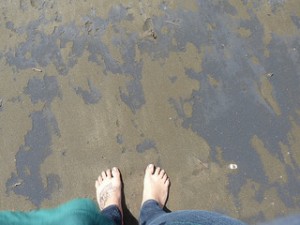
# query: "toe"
167,182
162,173
108,173
115,172
164,177
157,171
150,169
96,184
103,174
100,179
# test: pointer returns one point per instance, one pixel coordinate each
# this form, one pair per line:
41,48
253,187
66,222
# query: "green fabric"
75,212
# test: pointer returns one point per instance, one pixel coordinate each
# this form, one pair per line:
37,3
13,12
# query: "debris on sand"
37,70
148,28
149,33
232,166
203,164
17,184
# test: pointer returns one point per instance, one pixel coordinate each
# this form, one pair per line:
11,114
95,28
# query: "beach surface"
208,90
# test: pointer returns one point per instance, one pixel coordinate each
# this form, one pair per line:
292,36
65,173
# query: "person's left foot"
108,189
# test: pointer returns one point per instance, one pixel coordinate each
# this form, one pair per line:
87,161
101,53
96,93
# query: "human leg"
155,194
150,210
290,220
194,217
108,192
156,187
113,212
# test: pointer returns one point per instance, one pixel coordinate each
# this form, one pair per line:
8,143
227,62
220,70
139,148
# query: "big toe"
115,172
149,169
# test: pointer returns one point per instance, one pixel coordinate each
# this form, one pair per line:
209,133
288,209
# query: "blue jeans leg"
113,213
150,210
290,220
152,214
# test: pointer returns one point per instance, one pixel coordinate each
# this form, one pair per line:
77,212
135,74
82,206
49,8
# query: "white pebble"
232,166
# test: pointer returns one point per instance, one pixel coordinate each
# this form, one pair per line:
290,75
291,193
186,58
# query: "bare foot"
108,189
156,185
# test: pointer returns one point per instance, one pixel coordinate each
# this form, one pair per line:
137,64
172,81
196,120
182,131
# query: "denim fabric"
150,211
113,213
152,214
290,220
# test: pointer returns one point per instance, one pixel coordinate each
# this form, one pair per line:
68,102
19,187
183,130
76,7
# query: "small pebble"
232,166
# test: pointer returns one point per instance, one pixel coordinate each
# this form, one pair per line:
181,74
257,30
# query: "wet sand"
192,86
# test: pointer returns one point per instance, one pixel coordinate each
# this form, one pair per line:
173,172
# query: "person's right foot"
156,185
